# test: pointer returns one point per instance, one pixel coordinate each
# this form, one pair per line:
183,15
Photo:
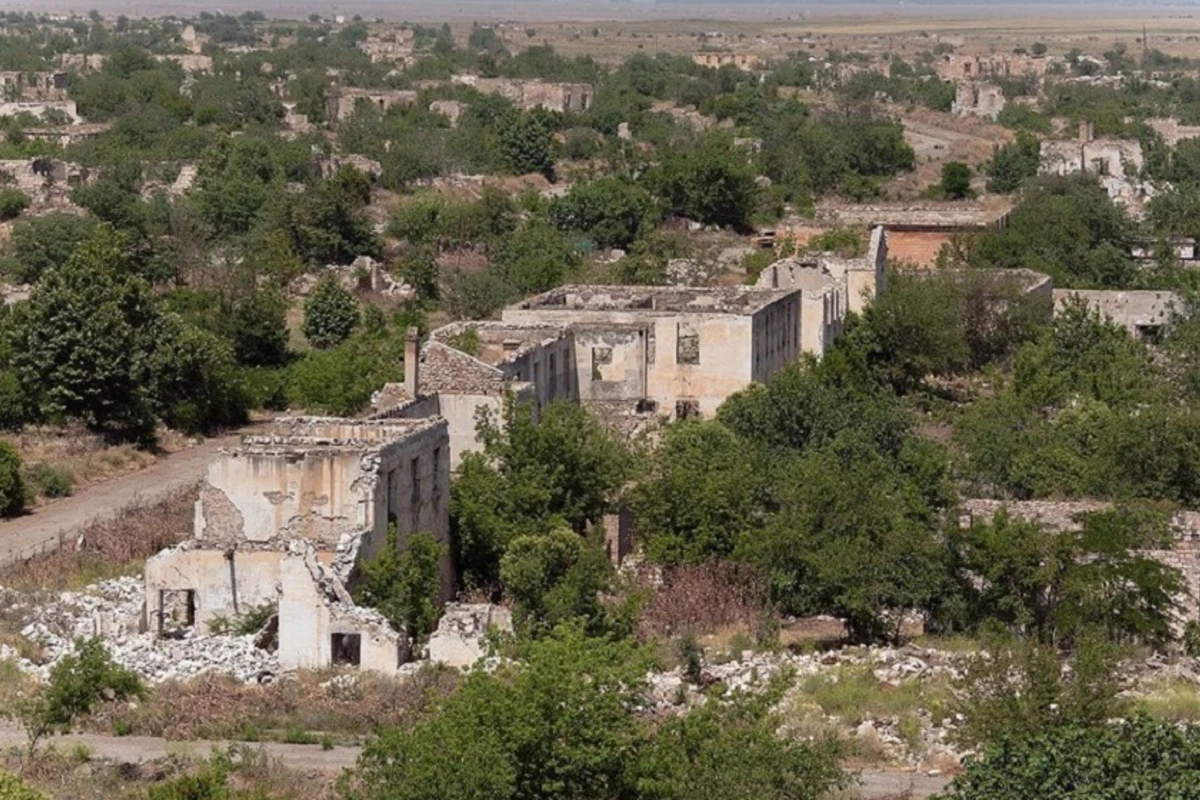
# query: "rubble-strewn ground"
890,705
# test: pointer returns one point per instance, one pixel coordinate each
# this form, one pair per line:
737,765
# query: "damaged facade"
675,352
1117,163
1183,555
531,94
978,99
1143,313
287,517
342,101
829,288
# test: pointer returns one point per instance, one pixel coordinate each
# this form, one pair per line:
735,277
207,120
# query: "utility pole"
1145,48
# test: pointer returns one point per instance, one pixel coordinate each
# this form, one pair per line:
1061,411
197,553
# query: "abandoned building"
670,351
466,367
1143,313
1063,516
1117,162
343,100
531,94
287,517
958,67
916,234
747,62
978,99
34,86
829,288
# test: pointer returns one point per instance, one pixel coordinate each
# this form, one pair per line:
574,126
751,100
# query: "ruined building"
829,287
531,94
978,99
1143,313
467,367
286,519
342,100
672,351
747,62
1117,162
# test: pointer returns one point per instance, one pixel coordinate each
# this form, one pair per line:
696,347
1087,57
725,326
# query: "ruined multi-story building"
672,351
287,518
959,67
342,100
466,368
829,287
531,94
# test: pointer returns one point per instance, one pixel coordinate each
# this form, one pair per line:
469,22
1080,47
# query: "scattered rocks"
112,609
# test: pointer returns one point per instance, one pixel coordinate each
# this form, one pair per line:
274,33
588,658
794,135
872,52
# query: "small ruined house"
287,517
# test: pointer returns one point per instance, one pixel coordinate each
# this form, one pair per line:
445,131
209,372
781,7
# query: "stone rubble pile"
112,609
927,742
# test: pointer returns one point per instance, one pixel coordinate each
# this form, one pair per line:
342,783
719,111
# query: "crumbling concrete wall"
460,638
1142,313
611,361
343,101
531,94
38,108
225,583
319,623
1063,516
978,99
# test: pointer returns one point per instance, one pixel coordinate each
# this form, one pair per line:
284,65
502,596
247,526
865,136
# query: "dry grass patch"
84,458
297,709
704,599
106,548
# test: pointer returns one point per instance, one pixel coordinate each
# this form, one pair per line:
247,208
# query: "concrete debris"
112,610
461,636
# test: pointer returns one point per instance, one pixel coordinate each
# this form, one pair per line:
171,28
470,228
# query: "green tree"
1056,585
78,682
555,578
1068,228
557,725
81,343
404,584
330,314
733,751
610,211
1138,758
704,490
12,202
43,242
1013,163
527,141
534,474
708,180
956,180
193,381
535,259
12,486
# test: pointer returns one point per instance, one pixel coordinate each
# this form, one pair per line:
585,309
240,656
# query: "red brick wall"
919,248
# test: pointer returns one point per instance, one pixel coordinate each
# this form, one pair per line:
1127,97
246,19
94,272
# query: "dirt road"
874,784
41,528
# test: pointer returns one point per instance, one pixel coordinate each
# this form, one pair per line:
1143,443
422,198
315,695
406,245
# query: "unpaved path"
41,528
874,784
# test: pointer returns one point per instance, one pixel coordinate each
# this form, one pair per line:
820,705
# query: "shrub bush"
12,487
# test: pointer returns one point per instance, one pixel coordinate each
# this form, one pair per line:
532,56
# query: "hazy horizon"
618,10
